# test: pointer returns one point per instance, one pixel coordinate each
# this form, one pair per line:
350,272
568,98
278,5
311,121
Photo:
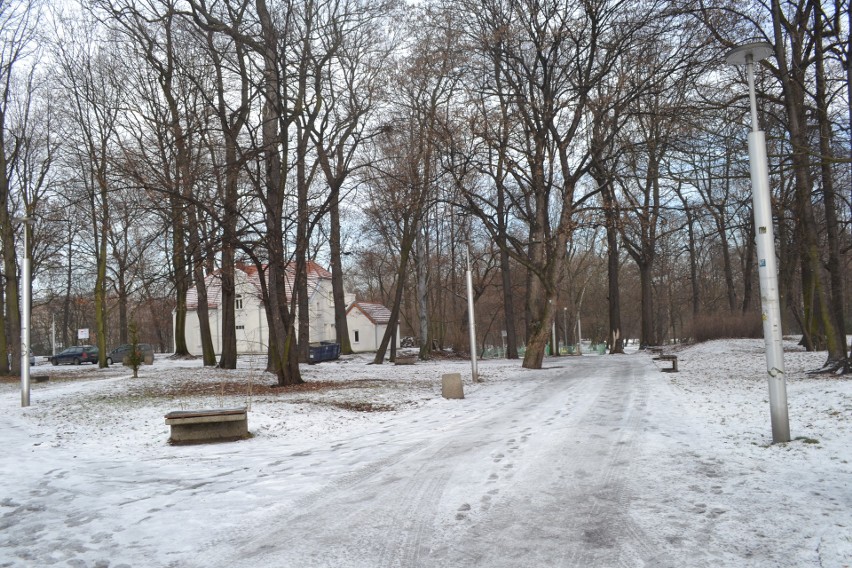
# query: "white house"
367,323
251,324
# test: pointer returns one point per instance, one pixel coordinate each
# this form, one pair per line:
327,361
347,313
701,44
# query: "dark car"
120,353
76,355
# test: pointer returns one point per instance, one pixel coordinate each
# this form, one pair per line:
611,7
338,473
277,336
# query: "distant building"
367,323
252,326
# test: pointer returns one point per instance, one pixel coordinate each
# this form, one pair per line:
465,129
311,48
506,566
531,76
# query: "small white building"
252,326
367,323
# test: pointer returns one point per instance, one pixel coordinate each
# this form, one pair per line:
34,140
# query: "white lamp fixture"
765,240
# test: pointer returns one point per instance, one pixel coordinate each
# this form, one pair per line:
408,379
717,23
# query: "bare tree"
93,86
545,58
787,26
153,30
410,145
18,20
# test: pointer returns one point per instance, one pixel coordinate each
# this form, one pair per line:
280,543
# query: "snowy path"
539,477
591,462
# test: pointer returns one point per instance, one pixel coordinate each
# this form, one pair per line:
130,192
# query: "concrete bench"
672,359
214,425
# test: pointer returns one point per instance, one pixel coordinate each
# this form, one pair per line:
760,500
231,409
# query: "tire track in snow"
538,477
610,538
568,502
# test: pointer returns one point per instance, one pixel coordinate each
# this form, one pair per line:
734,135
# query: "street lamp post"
765,241
579,326
471,320
26,300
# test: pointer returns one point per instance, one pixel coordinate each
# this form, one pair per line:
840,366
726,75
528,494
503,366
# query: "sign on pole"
83,333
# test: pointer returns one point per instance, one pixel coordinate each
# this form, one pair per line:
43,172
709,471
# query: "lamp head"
758,51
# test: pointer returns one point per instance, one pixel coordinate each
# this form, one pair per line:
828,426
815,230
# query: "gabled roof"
316,274
376,313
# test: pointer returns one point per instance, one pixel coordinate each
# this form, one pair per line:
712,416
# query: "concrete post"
451,386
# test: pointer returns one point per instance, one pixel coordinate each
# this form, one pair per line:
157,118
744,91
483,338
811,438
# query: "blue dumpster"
323,351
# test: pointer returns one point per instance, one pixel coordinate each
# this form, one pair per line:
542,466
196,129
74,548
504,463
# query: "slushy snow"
591,461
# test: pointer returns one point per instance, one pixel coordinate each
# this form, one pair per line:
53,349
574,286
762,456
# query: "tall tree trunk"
792,84
727,267
67,339
615,339
848,65
227,307
406,245
121,290
613,261
695,290
208,353
231,124
648,336
508,303
101,231
11,343
341,327
502,228
4,365
11,318
538,329
303,129
421,273
832,228
181,276
284,357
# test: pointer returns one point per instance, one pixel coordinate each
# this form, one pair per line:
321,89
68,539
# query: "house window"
357,336
238,302
241,327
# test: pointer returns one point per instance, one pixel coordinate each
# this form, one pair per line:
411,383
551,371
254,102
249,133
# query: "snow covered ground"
592,461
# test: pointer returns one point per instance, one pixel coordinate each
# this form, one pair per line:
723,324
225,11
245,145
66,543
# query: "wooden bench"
672,359
213,425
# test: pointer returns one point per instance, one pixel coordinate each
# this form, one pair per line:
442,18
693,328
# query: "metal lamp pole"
765,241
579,326
26,278
471,319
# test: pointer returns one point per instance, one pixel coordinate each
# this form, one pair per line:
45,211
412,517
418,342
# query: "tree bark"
341,326
792,85
421,273
834,264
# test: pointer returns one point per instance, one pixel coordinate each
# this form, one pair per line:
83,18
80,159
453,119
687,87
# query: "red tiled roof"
316,273
376,313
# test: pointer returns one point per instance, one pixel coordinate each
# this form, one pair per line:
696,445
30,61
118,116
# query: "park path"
539,476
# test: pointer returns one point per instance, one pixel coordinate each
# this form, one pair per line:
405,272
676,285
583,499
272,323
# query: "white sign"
83,333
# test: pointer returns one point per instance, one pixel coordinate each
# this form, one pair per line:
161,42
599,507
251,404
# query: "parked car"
120,353
76,355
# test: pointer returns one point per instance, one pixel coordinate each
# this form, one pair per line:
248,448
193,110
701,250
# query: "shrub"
134,359
725,326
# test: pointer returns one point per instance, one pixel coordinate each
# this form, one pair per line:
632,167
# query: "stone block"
451,386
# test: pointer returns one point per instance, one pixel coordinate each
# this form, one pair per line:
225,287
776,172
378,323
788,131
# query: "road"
541,475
